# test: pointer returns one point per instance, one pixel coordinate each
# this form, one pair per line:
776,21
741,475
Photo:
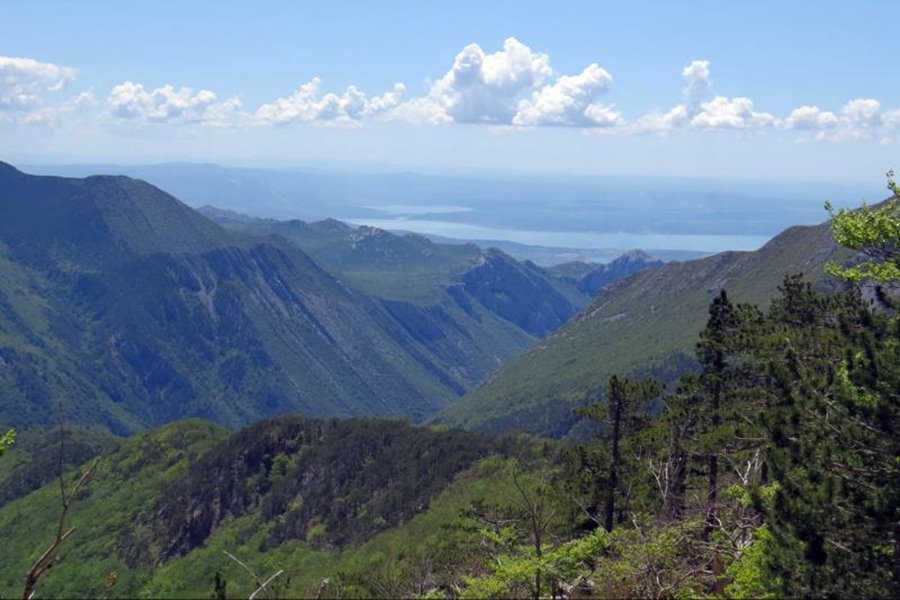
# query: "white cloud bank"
571,101
700,109
309,105
129,101
861,119
24,82
512,87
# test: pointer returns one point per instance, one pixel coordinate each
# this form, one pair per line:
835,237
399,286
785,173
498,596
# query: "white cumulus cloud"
309,105
861,119
511,88
514,86
571,101
730,113
811,118
697,83
24,82
892,118
862,113
130,101
480,87
700,109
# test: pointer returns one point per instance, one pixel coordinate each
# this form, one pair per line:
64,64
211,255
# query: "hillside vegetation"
646,323
768,471
318,498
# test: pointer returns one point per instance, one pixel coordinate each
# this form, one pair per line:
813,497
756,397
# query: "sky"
766,90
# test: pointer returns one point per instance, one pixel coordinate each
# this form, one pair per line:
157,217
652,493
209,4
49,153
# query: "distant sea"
570,239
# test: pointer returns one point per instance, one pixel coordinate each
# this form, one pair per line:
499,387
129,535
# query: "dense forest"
770,471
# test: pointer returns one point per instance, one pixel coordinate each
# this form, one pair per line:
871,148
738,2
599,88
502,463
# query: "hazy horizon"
600,213
782,92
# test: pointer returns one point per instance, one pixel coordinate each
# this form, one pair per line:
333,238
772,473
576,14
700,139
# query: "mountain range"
128,314
120,306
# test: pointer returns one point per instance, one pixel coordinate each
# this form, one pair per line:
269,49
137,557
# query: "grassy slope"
638,322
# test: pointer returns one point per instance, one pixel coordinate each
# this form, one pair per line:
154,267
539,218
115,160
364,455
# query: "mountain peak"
97,218
489,256
8,169
331,225
634,256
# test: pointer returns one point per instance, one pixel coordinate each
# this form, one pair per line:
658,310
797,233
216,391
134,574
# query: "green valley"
764,470
136,310
449,301
646,323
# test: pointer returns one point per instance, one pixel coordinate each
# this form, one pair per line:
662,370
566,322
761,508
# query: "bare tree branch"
265,583
262,586
48,557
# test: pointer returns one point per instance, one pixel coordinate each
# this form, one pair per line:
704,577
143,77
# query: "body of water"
570,239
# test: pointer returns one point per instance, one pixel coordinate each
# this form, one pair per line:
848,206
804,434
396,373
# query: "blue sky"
762,90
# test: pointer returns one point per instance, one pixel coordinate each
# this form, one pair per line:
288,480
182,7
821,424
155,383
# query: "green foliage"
625,412
770,473
749,575
7,440
401,488
645,325
875,232
35,459
784,447
512,575
124,486
833,426
805,435
330,482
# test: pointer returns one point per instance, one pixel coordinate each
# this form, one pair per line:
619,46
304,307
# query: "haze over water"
571,239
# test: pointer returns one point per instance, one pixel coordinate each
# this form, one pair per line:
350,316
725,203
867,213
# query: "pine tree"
721,350
220,591
833,425
623,414
674,436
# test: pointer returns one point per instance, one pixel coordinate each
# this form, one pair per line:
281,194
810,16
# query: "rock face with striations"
518,292
138,310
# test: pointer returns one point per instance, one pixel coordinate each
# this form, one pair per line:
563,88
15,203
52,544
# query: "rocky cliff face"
517,292
472,309
136,310
351,479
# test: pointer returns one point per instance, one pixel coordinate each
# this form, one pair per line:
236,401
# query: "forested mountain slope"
474,307
132,310
647,322
303,494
